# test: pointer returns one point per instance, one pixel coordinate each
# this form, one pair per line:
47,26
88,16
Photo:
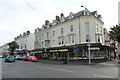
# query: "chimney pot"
46,22
62,15
57,18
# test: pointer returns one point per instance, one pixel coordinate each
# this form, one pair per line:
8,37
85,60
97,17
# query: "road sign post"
89,54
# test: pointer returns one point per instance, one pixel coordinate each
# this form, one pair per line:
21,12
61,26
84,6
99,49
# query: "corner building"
58,39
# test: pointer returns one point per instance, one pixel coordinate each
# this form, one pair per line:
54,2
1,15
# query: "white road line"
103,76
59,69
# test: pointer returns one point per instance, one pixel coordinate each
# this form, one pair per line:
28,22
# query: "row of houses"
67,37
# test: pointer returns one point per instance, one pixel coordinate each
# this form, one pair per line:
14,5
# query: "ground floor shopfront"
74,52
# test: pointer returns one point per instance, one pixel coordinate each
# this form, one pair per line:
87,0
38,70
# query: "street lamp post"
89,55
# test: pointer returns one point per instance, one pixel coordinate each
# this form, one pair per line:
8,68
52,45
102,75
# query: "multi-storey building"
79,28
25,42
106,37
4,50
75,29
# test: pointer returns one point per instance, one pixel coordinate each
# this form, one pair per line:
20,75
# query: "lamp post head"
82,6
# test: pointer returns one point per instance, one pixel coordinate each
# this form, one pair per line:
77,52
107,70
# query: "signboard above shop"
94,48
23,51
59,50
36,51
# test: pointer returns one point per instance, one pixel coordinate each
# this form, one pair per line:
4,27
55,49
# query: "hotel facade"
69,36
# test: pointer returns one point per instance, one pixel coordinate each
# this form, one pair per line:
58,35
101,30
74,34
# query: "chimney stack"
47,22
61,15
57,18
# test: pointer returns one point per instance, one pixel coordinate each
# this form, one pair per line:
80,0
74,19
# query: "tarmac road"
26,69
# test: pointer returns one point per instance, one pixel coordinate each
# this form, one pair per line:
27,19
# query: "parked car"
25,58
18,57
10,59
33,59
1,56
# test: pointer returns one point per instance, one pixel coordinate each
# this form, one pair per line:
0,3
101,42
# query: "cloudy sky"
18,16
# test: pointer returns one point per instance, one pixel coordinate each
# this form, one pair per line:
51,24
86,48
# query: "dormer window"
71,16
50,24
37,30
86,13
62,19
45,26
54,22
96,15
99,17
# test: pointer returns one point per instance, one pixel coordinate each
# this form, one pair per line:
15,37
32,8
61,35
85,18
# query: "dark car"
10,59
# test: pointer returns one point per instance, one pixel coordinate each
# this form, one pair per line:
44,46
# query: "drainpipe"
79,31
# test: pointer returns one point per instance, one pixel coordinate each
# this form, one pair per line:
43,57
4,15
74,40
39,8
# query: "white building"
61,36
4,50
77,28
106,37
25,41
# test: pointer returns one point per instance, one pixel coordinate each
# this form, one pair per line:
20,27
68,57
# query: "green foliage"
12,47
115,33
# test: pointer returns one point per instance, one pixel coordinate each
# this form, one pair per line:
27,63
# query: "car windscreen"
10,57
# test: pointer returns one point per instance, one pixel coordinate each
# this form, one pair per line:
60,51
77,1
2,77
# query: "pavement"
101,62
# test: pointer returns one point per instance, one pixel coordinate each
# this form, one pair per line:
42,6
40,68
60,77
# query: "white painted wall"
26,40
79,31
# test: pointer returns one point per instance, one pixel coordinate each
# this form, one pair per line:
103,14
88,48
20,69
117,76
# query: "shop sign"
21,52
36,52
62,50
94,48
53,51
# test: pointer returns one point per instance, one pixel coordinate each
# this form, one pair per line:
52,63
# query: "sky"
18,16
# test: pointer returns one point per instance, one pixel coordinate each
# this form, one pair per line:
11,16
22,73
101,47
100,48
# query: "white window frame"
71,39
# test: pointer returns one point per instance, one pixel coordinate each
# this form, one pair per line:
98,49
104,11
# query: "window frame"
71,28
62,31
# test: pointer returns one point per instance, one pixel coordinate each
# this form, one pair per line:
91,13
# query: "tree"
12,47
115,33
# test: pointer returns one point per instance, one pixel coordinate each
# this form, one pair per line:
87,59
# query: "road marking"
103,76
59,69
107,64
